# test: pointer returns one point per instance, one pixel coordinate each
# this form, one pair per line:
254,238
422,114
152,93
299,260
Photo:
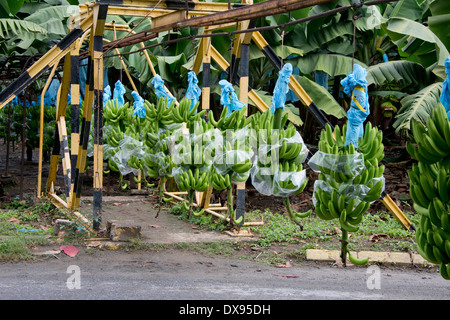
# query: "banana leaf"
418,106
402,72
409,9
333,64
10,27
403,31
321,97
308,43
59,12
439,21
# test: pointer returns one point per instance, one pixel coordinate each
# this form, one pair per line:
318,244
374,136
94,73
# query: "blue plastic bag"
355,84
291,96
322,78
106,94
445,93
281,88
83,76
228,97
193,91
15,101
52,93
138,105
119,92
160,91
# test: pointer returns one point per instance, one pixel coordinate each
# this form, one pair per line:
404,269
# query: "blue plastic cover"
106,94
281,88
119,92
445,93
160,91
138,105
52,93
193,91
291,96
385,57
15,102
355,84
228,97
322,78
83,76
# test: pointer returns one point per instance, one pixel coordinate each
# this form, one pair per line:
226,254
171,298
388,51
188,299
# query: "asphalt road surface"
180,275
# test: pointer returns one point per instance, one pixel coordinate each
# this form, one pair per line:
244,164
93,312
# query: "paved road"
176,275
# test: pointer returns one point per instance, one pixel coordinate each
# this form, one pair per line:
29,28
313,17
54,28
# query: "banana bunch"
433,244
191,171
432,139
150,163
236,120
290,149
219,181
151,139
235,160
113,114
348,181
430,186
347,209
135,163
283,144
112,165
371,175
115,135
371,144
161,113
183,113
188,180
285,141
286,170
427,183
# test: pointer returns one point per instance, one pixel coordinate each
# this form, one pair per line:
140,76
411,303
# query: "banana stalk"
296,216
344,246
230,201
162,182
277,118
191,194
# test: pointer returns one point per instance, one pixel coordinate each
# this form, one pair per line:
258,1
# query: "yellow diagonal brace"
396,212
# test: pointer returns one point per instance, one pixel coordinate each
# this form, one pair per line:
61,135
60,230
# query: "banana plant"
31,27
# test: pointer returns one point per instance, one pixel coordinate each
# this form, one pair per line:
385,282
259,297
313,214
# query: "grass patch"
24,225
322,234
18,248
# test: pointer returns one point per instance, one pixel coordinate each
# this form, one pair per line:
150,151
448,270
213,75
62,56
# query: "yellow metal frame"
93,25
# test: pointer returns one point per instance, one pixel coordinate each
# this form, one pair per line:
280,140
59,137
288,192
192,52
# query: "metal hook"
283,27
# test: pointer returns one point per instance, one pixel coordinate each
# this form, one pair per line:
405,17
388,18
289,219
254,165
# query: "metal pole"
24,114
41,130
8,136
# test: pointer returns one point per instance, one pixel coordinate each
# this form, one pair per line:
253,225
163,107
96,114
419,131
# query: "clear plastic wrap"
128,147
226,161
352,164
297,138
262,181
273,181
348,165
295,179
